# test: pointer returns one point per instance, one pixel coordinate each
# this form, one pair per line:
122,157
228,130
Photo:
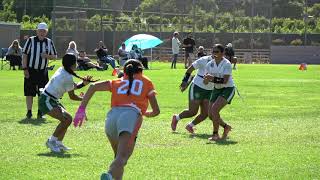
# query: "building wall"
8,33
295,54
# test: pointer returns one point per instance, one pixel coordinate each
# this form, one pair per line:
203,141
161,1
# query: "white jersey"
200,64
175,43
60,82
223,68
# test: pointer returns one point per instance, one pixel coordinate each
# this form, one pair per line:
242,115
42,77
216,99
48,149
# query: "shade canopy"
143,41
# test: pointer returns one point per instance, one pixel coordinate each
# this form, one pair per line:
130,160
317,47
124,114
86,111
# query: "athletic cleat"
53,146
174,123
190,129
40,116
214,137
63,147
226,131
105,176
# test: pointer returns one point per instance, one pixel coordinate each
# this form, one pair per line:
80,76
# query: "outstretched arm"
98,86
81,112
184,83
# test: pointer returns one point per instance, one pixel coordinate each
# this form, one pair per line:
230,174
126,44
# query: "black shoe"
29,114
40,115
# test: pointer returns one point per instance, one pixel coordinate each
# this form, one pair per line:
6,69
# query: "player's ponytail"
132,67
129,72
68,61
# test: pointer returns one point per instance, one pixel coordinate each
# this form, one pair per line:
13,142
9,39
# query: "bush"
278,42
296,42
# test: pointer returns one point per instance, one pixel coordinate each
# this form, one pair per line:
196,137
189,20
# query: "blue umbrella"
143,41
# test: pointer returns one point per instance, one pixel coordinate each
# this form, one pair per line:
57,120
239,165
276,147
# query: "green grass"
276,131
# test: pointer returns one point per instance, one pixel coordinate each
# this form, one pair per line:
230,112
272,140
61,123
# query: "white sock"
59,142
177,117
52,138
191,124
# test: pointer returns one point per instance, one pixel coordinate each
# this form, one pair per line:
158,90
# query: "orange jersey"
141,89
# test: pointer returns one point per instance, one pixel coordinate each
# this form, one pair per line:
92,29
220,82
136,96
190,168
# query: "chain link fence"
255,33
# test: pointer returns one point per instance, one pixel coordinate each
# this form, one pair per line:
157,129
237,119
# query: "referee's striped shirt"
33,48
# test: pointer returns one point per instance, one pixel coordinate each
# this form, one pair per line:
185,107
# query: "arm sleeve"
26,48
198,63
227,69
52,50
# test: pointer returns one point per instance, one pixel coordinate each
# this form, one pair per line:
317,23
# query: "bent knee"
67,119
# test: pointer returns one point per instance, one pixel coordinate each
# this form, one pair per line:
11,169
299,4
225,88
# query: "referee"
36,52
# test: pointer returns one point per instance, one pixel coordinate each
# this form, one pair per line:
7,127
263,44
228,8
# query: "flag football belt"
50,95
200,76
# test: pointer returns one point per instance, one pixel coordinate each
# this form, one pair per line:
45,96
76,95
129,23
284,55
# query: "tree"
7,14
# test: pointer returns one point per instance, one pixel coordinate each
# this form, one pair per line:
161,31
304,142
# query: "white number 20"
136,88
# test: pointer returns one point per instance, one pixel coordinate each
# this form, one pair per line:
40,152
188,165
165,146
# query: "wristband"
79,86
186,77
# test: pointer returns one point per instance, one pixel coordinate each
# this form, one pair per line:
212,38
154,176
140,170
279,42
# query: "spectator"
188,44
72,49
84,63
37,51
14,55
175,43
201,52
103,57
123,54
137,54
229,54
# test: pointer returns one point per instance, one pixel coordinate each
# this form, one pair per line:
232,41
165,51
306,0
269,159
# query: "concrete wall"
295,54
8,33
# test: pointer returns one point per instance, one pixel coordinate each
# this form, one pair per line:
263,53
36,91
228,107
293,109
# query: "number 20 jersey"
141,89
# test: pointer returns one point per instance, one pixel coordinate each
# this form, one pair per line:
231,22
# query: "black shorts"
37,79
187,54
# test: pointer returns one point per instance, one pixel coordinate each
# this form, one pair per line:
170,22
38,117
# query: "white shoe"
63,147
53,146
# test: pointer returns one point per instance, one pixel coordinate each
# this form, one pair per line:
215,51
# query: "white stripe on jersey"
32,54
37,55
43,63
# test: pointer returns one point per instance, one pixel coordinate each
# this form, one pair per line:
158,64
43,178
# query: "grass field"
276,131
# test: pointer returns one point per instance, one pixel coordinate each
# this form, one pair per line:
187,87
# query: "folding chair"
3,57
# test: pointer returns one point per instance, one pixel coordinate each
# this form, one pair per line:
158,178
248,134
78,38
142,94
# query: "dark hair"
134,46
69,60
132,67
219,46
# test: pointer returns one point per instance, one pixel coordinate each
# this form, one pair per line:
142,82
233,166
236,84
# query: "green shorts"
198,93
227,93
46,103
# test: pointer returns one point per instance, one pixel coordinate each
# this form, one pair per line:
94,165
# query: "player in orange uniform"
129,102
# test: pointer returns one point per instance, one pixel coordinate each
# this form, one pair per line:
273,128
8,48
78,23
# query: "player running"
130,97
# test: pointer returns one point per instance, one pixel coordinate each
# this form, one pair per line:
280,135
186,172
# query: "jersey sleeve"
27,45
52,49
227,69
198,63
